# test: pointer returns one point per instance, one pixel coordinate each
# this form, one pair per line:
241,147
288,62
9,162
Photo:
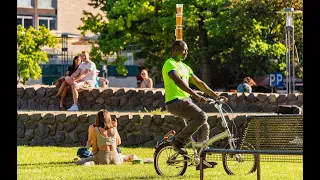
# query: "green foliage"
119,62
247,38
29,54
156,111
96,56
227,39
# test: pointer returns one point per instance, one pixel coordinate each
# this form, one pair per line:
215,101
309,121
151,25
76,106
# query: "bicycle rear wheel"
247,163
167,162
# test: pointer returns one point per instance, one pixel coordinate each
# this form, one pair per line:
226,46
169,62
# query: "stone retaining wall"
134,99
70,129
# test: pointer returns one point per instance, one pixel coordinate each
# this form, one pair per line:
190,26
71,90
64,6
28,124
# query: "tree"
226,39
29,54
151,25
247,38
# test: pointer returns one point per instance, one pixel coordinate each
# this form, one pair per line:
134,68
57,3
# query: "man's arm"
182,85
70,79
202,86
75,74
84,74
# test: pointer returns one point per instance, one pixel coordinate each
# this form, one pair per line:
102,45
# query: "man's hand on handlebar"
224,99
201,98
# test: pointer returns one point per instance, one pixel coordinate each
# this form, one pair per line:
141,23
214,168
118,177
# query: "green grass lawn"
57,163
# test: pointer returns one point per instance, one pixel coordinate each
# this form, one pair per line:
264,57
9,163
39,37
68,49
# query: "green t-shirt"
172,91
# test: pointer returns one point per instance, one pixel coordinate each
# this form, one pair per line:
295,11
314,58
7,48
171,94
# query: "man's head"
249,81
179,50
85,56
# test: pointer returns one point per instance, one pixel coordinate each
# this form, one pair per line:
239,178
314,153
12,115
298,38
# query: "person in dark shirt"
65,86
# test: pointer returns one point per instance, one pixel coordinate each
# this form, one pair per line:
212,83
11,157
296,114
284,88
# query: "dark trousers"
195,117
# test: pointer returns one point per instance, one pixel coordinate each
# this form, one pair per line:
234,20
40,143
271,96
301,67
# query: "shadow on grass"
47,164
145,177
136,146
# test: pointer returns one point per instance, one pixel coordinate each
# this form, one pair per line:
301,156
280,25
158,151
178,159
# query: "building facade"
64,17
59,16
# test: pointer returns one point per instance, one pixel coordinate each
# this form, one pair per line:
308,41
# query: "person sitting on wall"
147,81
245,86
64,85
83,79
101,81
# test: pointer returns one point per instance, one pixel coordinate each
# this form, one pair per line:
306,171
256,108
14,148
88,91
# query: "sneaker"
178,147
213,164
89,163
74,108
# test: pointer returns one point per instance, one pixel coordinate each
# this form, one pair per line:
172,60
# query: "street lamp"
64,49
64,38
290,81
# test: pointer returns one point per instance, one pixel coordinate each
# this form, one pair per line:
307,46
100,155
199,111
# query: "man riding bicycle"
177,76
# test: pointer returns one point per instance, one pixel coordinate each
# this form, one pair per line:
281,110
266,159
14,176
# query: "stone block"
83,118
23,117
48,118
30,92
42,130
157,120
146,120
262,97
35,117
123,120
40,92
20,92
59,137
119,92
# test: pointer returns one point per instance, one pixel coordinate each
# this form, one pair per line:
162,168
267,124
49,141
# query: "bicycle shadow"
145,177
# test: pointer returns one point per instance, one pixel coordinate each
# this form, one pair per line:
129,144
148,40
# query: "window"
48,22
24,3
43,22
53,24
45,4
19,21
25,21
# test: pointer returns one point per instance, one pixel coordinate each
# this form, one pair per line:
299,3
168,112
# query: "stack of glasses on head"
179,22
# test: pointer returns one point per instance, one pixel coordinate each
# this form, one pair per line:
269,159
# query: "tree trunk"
205,63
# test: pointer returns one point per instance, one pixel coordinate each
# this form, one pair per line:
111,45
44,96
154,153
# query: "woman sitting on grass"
105,140
86,153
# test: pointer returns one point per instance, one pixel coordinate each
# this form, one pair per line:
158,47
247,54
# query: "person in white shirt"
85,80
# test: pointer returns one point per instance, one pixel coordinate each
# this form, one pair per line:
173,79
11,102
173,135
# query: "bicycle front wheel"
239,164
167,162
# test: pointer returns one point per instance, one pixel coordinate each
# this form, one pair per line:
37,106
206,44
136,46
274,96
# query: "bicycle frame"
193,159
217,137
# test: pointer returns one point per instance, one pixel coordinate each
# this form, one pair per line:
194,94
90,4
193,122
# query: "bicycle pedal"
206,165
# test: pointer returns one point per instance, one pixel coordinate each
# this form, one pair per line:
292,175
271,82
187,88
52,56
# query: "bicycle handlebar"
215,101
